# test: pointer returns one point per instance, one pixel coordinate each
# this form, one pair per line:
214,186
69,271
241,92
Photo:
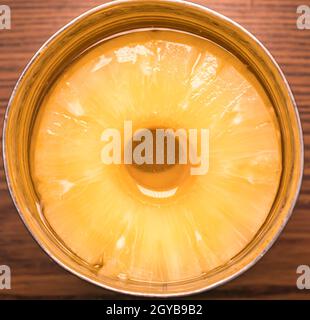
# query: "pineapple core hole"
157,164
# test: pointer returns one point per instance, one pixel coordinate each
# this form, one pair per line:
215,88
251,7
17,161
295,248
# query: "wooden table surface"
35,275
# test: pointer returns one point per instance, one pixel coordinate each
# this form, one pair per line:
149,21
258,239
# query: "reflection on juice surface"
156,223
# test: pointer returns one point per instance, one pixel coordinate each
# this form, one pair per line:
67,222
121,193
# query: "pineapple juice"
156,222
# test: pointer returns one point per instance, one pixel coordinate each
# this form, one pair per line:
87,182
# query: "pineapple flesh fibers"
125,220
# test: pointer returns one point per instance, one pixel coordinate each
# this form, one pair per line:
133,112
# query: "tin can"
122,16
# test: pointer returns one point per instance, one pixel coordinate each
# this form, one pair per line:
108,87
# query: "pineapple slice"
109,215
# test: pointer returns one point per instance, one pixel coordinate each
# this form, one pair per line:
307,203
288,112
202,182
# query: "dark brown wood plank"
34,275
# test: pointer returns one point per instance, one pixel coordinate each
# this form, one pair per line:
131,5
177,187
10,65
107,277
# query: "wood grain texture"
34,275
